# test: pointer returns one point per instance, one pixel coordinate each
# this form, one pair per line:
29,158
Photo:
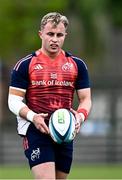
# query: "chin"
54,51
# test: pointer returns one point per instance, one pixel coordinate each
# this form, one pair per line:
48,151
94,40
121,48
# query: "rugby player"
41,83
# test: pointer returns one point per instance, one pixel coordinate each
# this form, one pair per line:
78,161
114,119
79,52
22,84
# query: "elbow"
15,103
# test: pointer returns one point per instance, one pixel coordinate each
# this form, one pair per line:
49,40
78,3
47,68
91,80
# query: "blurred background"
95,35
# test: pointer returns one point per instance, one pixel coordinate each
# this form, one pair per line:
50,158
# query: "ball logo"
61,117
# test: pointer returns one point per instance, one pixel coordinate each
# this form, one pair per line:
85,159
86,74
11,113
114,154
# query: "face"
52,38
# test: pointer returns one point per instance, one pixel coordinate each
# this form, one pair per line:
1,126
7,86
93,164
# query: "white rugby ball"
62,126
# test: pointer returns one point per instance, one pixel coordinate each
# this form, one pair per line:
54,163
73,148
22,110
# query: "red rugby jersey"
49,84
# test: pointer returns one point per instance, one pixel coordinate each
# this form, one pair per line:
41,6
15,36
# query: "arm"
19,108
84,97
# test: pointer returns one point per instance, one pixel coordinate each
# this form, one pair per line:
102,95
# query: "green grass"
77,172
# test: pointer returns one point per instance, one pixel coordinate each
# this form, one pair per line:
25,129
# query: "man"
41,83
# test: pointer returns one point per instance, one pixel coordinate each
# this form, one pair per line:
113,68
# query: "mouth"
54,46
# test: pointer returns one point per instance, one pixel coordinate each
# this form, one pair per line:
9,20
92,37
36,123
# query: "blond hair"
55,18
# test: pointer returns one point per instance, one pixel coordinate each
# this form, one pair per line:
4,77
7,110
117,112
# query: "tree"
19,24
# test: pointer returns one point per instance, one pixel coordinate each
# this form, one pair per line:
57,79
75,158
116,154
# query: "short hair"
55,18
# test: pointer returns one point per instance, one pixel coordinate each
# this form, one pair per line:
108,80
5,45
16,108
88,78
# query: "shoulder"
23,62
19,74
80,62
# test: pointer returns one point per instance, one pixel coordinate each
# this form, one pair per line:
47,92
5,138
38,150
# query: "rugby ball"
62,126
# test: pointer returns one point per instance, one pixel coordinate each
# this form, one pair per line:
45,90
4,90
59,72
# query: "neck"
51,55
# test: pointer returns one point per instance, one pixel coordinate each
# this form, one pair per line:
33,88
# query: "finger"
45,128
77,126
73,111
44,114
42,129
77,130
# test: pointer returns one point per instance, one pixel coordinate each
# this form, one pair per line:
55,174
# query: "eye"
60,34
50,34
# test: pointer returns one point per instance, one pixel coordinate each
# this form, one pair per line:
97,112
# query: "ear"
65,34
40,34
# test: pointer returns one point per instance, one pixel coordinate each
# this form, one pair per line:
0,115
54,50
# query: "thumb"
44,114
73,111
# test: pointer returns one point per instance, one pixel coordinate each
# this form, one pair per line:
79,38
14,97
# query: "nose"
54,39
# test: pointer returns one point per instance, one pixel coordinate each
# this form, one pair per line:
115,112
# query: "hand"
39,122
79,120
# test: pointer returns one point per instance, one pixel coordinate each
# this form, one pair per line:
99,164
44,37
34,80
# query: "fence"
99,140
87,149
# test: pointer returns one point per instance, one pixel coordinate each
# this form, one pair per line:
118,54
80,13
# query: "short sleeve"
82,80
20,75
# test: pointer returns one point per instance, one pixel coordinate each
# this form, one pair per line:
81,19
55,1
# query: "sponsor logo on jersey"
53,75
38,67
67,67
52,83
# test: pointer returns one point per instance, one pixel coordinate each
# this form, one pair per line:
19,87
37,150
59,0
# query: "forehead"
52,27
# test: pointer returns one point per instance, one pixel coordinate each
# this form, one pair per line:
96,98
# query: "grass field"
77,172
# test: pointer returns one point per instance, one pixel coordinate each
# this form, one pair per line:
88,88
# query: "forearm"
19,108
27,114
85,104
